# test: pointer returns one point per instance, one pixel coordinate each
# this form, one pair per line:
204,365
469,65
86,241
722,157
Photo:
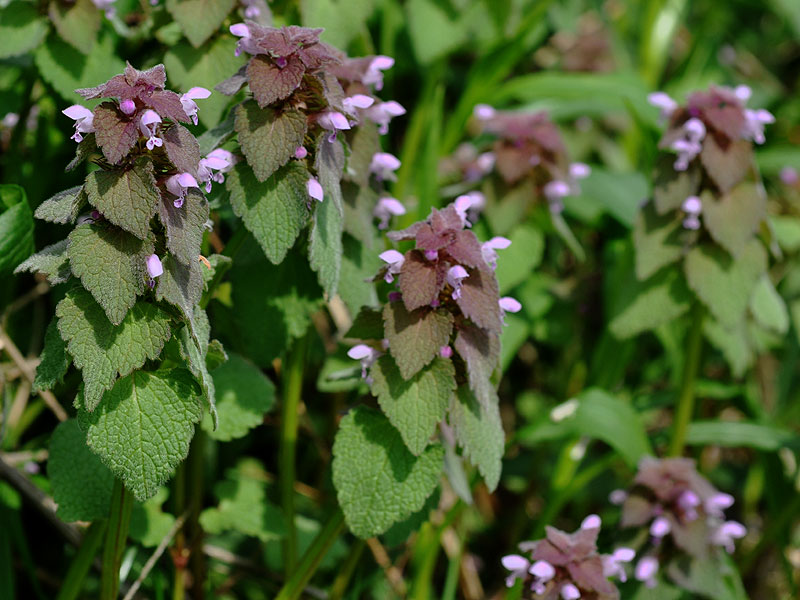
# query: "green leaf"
111,264
193,342
185,225
734,219
180,285
359,265
143,429
368,325
658,300
479,432
127,198
415,337
725,285
54,360
343,19
77,23
325,244
51,261
768,307
733,342
149,523
787,231
739,434
671,187
659,240
378,481
244,396
103,351
268,137
273,211
515,263
81,482
16,227
22,28
62,208
435,31
66,69
188,67
481,351
414,406
726,167
199,19
620,194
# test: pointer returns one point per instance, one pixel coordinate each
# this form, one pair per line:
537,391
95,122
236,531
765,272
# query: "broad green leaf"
268,137
620,194
787,231
400,532
54,359
16,227
127,198
481,351
733,342
735,217
359,265
244,396
111,264
378,481
367,325
77,23
81,482
768,307
659,240
143,429
325,242
149,523
415,337
273,211
193,341
729,166
181,285
185,226
671,187
188,67
434,30
517,262
182,148
199,19
62,208
739,434
51,261
102,351
725,285
344,20
66,69
479,432
414,406
22,28
658,300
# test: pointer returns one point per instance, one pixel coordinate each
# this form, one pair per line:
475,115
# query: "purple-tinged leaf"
479,300
167,104
419,281
234,83
729,166
415,337
479,432
446,219
182,149
269,83
481,351
736,216
115,132
409,233
588,575
428,239
466,249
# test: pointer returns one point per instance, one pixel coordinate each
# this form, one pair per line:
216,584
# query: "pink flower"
716,504
357,101
646,570
754,124
384,165
489,249
148,124
485,162
570,592
509,304
385,209
107,6
664,103
178,185
692,206
218,160
689,146
367,355
246,43
579,170
618,497
462,204
446,351
301,152
154,266
127,106
542,572
315,189
612,566
455,275
726,533
789,176
189,104
83,118
556,189
383,112
395,260
743,93
374,74
660,527
484,112
518,565
333,121
688,501
591,522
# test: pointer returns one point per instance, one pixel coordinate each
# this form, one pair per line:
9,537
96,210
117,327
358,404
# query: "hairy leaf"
419,281
16,227
269,83
185,225
268,137
143,429
479,299
415,337
193,342
650,303
22,28
658,240
481,351
479,432
182,149
359,264
54,359
104,352
181,285
735,217
378,481
414,406
62,208
726,167
768,307
51,261
199,19
115,132
671,187
368,325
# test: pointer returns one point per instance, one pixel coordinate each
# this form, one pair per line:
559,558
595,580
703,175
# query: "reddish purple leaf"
269,83
182,149
728,166
479,299
115,132
167,104
419,281
466,250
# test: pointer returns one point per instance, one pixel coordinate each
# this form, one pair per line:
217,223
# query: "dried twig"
393,574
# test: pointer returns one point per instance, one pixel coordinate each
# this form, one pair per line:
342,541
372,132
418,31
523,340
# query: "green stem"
685,410
230,250
292,379
80,565
116,536
345,574
662,20
312,558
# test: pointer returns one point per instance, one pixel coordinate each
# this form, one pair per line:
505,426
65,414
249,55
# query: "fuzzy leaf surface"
658,300
479,299
479,432
182,149
415,337
481,351
62,208
181,285
735,217
22,28
325,246
270,83
126,198
52,261
658,240
268,137
54,360
193,341
102,351
199,19
419,280
185,225
273,211
111,264
414,406
115,132
378,481
143,429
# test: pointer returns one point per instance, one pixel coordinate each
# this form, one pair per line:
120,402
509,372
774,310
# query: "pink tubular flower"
591,522
395,260
384,165
660,527
789,176
83,118
618,497
484,112
688,501
446,351
485,162
692,206
455,275
383,112
366,354
718,503
333,121
385,209
689,146
154,267
218,160
462,205
542,572
127,106
509,304
518,565
148,124
612,566
646,570
489,249
374,74
754,124
245,43
107,6
664,103
315,189
189,104
357,101
579,170
301,152
726,533
570,592
178,185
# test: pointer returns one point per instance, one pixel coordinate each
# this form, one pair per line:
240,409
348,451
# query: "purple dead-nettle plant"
566,566
681,516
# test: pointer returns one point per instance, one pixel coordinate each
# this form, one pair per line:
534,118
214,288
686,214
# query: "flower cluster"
683,514
567,566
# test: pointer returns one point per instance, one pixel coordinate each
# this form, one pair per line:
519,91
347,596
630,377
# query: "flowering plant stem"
80,565
116,535
292,378
685,408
